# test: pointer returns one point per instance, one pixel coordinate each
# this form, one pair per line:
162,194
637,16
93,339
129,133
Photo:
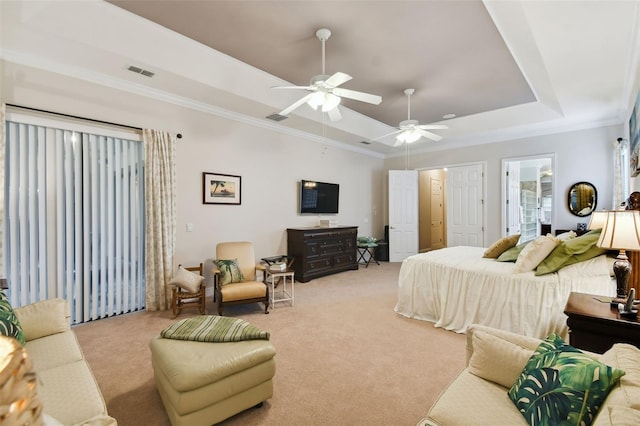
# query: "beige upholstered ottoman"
203,383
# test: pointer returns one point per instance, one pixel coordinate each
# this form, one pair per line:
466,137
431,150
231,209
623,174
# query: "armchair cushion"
229,271
247,290
187,280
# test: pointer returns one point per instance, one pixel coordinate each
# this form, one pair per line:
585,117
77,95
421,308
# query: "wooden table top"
596,307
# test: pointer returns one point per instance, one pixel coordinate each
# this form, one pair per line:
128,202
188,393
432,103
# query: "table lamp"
621,231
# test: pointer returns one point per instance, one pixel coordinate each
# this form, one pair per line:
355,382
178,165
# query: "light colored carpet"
344,357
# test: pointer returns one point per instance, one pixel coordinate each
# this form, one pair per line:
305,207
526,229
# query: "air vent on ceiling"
277,117
144,72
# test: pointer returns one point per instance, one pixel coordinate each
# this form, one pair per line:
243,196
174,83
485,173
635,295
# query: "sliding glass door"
74,218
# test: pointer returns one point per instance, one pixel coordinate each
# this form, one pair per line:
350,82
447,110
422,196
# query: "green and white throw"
213,328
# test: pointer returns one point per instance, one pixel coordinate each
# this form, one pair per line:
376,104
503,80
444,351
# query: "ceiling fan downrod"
409,92
323,35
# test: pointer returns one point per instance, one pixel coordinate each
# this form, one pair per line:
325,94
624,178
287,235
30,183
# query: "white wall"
585,155
270,163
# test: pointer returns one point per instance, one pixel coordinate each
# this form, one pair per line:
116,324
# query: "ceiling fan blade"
384,136
429,135
358,96
296,104
398,143
293,87
433,127
337,79
334,114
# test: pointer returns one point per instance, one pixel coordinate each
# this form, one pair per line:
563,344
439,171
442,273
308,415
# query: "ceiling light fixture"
408,136
321,98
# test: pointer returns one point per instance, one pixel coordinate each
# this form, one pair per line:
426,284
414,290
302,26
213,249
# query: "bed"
455,287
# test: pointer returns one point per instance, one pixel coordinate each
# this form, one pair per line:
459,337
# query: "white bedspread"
456,287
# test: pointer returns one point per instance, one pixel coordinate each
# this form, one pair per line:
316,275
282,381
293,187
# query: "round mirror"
583,198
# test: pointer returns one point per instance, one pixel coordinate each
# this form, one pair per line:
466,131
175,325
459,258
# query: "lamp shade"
597,219
621,230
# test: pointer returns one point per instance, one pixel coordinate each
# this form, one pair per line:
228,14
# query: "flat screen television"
319,197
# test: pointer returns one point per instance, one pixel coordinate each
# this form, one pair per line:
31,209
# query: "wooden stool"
183,299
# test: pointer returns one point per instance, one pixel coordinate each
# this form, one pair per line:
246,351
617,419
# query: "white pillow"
187,280
535,252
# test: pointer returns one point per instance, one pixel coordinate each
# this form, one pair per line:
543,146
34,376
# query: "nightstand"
595,326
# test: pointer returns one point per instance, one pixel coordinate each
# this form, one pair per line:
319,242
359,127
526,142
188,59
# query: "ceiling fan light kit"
324,89
410,131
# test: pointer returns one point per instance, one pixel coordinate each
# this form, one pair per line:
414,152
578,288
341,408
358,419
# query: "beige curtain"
2,145
160,215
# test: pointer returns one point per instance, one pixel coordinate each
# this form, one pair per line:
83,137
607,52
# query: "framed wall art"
221,189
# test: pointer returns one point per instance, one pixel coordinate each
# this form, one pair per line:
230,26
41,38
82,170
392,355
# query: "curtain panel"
160,204
2,157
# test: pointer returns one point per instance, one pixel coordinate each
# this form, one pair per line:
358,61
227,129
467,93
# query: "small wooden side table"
595,326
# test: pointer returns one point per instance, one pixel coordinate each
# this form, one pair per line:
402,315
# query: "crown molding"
148,92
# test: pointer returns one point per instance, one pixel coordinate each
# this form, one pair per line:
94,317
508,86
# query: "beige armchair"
247,291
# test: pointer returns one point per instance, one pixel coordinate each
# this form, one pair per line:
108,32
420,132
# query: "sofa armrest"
44,318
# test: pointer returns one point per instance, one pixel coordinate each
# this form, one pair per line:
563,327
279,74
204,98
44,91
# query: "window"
74,216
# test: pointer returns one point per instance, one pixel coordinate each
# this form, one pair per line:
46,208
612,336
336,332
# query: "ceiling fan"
410,130
324,89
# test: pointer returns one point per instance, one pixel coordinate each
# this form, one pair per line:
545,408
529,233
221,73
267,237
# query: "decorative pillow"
503,369
499,247
567,235
187,280
229,271
560,385
535,252
511,255
43,318
9,323
572,251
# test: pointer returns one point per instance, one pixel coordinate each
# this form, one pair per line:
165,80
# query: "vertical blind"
74,219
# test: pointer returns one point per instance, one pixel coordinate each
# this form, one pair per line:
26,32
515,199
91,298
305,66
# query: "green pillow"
229,271
9,324
560,385
572,251
511,255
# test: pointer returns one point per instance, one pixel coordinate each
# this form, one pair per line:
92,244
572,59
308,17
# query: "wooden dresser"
322,251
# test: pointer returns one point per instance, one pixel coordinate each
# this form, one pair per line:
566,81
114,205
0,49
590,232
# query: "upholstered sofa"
495,358
66,385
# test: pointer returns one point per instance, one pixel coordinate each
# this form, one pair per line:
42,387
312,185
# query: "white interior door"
403,214
465,210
